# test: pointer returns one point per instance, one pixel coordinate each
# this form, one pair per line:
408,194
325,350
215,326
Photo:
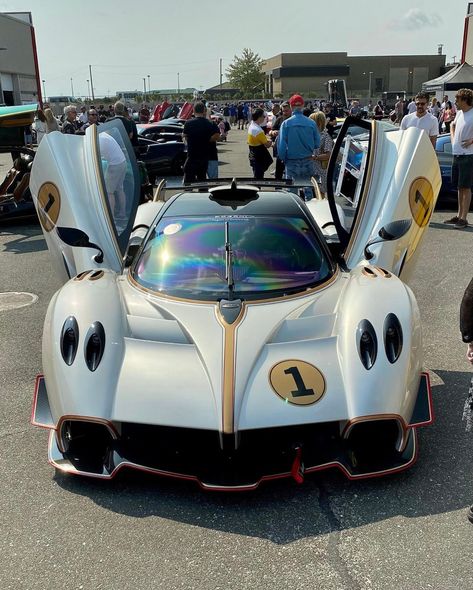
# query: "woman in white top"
39,125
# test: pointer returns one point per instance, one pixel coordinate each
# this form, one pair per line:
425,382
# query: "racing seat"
9,182
19,192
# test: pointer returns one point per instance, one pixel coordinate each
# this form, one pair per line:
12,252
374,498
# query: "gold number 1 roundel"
421,201
49,205
297,382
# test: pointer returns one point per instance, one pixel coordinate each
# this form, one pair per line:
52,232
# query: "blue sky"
125,41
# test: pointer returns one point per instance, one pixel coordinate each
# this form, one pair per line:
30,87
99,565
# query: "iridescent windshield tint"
270,256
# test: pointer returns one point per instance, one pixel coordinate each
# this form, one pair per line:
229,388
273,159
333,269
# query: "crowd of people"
295,136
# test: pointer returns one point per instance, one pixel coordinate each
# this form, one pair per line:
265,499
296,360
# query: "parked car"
167,130
448,193
234,333
161,157
16,203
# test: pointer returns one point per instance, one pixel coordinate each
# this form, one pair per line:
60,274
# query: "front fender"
386,388
75,390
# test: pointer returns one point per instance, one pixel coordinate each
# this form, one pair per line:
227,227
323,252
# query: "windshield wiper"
229,262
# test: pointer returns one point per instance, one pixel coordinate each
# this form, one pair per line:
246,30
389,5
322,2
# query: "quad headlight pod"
392,337
367,343
69,340
94,345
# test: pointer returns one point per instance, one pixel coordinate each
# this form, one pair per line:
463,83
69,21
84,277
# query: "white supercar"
234,333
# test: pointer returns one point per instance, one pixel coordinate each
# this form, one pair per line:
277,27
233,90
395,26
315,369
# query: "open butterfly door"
380,174
89,183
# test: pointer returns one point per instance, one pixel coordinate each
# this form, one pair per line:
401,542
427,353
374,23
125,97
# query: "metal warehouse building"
365,76
19,73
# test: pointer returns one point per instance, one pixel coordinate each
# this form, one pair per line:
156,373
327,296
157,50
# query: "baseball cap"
296,100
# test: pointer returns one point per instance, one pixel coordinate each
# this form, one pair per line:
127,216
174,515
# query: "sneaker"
452,221
461,224
470,514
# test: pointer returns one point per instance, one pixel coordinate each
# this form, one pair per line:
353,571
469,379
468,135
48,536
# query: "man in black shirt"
331,118
70,124
198,132
286,112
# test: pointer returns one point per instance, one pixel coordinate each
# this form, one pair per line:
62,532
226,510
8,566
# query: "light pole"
178,85
91,83
369,84
72,89
88,89
149,86
144,86
44,90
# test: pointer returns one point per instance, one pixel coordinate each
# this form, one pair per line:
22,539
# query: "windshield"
193,257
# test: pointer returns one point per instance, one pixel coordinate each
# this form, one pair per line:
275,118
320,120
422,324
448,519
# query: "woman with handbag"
448,115
466,329
258,144
322,153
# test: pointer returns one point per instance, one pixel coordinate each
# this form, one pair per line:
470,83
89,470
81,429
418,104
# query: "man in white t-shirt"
461,132
422,119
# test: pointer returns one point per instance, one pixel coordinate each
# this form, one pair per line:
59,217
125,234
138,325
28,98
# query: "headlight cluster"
367,341
94,345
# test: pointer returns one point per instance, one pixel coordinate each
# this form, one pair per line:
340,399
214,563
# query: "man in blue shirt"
297,140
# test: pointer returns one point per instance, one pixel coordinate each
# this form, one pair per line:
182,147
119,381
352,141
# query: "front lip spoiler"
57,459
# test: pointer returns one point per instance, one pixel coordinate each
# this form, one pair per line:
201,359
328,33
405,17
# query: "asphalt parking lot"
407,531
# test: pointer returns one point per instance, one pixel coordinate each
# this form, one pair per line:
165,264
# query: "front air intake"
94,345
87,445
373,444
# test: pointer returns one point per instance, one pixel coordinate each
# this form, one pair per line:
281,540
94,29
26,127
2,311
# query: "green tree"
245,73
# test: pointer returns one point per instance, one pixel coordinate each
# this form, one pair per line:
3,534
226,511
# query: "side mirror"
389,232
79,239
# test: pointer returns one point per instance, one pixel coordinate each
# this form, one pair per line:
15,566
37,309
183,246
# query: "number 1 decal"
301,388
308,380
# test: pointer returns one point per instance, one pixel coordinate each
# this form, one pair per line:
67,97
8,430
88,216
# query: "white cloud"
415,19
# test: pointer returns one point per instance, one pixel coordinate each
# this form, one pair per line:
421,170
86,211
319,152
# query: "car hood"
188,368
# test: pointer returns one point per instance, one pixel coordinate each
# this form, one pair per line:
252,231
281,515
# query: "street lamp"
149,87
72,89
178,85
88,89
44,90
144,86
369,84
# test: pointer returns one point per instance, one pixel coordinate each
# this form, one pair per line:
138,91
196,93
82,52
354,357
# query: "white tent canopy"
461,76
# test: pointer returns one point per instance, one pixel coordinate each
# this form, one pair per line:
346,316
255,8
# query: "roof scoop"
234,196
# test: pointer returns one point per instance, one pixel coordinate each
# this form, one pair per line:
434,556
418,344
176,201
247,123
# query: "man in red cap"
297,140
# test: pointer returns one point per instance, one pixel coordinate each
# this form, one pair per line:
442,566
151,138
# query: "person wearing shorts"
461,132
